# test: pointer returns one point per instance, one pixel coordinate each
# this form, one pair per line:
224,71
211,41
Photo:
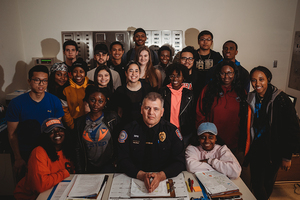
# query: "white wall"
291,91
12,65
264,30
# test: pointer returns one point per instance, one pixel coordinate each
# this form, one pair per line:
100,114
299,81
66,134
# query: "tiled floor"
285,191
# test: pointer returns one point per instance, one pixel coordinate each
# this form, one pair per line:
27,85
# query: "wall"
290,91
263,29
12,65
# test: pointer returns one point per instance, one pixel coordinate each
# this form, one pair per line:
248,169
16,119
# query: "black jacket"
283,139
166,154
187,111
111,120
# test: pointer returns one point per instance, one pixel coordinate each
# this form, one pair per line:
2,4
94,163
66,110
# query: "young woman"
179,101
75,92
147,72
209,156
49,163
129,97
103,79
58,79
273,132
95,134
223,102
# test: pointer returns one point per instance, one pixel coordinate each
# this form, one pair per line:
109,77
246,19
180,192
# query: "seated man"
151,144
210,156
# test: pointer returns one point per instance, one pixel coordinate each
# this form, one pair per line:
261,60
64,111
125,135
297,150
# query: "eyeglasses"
39,81
188,59
223,74
207,39
60,130
173,76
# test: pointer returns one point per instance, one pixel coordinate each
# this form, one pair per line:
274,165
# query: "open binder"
165,189
217,184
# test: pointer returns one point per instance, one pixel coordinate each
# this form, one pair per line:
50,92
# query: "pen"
192,187
187,185
104,181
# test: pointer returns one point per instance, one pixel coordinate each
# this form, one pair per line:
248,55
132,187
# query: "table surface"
243,188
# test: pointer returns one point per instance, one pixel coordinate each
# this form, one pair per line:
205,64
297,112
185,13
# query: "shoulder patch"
122,137
178,134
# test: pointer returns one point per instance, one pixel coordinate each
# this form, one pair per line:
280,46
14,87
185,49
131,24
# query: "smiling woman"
223,102
95,134
49,163
74,93
179,102
273,132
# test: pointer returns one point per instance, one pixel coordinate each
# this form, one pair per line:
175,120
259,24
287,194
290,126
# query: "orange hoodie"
42,174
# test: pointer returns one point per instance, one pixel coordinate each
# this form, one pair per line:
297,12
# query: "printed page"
216,182
59,190
86,186
138,189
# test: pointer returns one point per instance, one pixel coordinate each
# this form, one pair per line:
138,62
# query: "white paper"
121,186
67,190
138,189
61,187
86,185
216,182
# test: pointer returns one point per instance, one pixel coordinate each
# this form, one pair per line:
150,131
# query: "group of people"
145,115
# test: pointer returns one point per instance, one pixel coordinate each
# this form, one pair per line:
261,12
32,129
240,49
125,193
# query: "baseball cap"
51,123
100,48
207,127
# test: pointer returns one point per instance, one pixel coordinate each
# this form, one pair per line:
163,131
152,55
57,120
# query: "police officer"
151,144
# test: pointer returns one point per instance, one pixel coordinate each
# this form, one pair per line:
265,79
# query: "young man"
70,49
139,38
151,147
165,57
205,57
101,57
26,113
116,51
192,82
210,156
230,50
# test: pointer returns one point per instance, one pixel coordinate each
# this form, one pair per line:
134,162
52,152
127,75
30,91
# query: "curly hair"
214,88
178,68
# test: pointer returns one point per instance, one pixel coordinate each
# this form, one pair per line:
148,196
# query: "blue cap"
207,127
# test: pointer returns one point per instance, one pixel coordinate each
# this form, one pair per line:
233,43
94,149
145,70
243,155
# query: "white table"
247,195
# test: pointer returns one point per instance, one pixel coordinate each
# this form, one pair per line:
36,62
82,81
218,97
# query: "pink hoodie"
219,158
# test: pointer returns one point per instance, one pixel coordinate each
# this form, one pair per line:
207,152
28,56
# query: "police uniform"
155,149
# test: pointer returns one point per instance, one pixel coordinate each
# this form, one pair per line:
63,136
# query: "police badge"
162,136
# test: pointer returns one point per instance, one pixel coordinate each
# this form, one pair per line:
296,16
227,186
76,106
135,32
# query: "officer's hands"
19,164
157,178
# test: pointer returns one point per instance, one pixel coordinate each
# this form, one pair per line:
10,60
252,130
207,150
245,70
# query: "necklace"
208,55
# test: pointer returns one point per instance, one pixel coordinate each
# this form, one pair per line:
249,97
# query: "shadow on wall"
191,37
2,93
19,80
50,48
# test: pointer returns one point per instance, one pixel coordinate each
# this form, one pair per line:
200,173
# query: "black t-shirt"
120,69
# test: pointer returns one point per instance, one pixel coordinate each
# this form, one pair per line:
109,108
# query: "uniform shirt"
155,149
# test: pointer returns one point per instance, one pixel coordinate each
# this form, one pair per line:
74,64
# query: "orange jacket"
42,174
